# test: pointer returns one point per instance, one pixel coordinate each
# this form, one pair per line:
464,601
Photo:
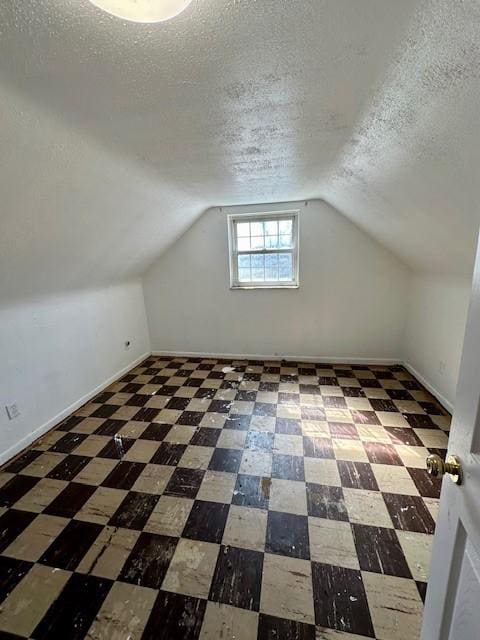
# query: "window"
263,250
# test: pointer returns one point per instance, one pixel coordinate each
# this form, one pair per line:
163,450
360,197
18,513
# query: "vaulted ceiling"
116,136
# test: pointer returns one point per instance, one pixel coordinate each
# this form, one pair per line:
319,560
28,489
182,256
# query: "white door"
452,608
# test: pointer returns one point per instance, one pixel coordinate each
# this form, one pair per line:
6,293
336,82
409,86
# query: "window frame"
235,218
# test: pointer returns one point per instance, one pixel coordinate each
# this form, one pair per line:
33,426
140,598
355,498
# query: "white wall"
57,350
434,332
350,304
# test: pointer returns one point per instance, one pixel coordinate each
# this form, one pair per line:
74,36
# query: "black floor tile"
318,448
379,551
206,521
169,454
69,547
134,511
68,442
156,432
72,614
288,467
270,628
227,460
15,489
18,464
184,483
116,448
326,502
175,617
70,500
340,601
12,523
123,475
238,578
252,491
287,535
205,437
357,475
11,573
149,560
69,468
409,513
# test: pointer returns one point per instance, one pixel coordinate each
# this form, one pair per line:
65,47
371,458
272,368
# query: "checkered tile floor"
211,499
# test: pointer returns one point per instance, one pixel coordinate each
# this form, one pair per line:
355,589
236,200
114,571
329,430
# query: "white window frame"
233,219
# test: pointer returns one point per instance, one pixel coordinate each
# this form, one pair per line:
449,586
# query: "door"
452,608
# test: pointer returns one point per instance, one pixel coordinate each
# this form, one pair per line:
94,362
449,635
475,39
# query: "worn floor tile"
322,471
124,613
246,528
204,498
340,600
153,479
331,542
71,615
41,495
288,496
191,568
294,600
32,543
149,560
30,600
175,616
238,578
223,621
256,463
169,516
367,507
217,486
395,606
108,553
417,548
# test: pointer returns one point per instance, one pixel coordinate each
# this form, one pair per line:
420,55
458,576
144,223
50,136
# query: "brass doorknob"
452,465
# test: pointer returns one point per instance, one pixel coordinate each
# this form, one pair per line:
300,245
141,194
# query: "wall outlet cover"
12,411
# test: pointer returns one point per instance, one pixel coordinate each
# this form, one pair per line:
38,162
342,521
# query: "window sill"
260,286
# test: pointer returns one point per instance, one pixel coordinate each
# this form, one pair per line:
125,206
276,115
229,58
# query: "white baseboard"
270,357
433,390
321,359
38,433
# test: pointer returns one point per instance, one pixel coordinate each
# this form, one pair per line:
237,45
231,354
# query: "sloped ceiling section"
116,136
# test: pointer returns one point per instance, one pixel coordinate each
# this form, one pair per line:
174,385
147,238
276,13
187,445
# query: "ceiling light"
143,10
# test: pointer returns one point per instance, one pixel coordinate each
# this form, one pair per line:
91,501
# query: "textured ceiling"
116,136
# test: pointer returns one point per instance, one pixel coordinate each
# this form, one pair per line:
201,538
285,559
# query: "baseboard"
433,390
321,359
295,358
38,433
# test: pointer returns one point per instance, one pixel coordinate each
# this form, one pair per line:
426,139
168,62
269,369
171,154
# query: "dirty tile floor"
199,498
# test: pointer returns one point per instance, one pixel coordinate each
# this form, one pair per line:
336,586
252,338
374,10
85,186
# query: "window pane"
244,262
243,244
271,267
271,242
258,268
243,229
271,228
256,228
285,269
285,242
244,275
285,227
257,242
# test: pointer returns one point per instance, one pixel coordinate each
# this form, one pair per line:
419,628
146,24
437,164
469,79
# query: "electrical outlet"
441,367
128,344
12,411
